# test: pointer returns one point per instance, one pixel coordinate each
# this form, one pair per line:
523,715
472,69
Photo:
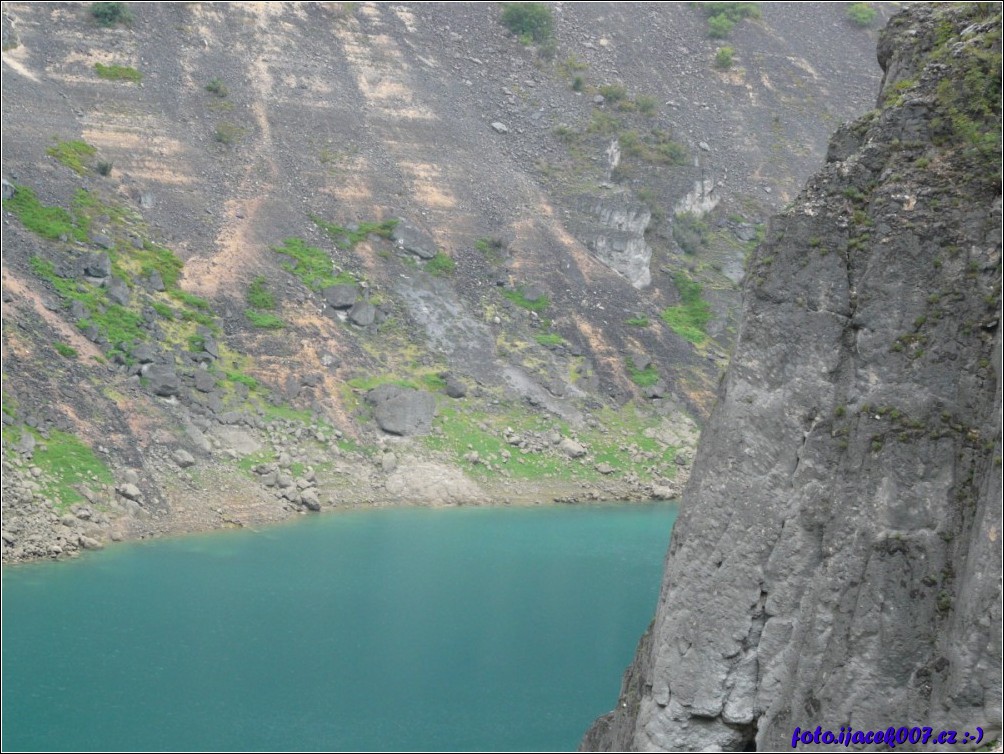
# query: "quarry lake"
467,628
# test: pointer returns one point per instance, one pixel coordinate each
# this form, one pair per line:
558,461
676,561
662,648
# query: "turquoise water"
483,629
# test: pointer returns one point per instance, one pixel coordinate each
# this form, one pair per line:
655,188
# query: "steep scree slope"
166,368
838,557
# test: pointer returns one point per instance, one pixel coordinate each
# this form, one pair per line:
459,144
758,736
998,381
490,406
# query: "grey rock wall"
838,556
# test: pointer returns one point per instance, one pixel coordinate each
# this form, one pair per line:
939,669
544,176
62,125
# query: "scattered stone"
363,313
388,462
162,380
571,448
8,187
658,390
205,382
605,468
156,281
118,292
130,491
499,127
183,458
341,296
455,388
309,498
413,240
144,353
100,239
704,146
98,266
88,543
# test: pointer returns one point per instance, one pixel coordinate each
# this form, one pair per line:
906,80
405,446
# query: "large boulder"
402,411
162,380
341,296
98,266
363,313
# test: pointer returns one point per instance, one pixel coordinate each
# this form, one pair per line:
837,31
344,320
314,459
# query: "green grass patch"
163,309
190,299
441,265
689,318
549,339
643,377
49,222
264,320
67,352
656,147
72,154
350,237
118,73
312,265
67,462
637,322
242,379
258,296
518,297
152,257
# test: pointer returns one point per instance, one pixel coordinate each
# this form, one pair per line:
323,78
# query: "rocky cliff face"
838,557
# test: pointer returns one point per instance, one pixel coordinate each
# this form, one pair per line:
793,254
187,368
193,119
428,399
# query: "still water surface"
470,629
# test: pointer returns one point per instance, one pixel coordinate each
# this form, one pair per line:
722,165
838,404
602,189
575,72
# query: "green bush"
720,26
723,58
118,73
613,92
861,14
217,87
228,133
105,168
528,21
722,17
109,14
646,105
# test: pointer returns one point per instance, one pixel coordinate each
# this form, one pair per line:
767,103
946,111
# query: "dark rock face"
838,556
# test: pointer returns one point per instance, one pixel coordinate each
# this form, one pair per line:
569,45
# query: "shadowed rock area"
837,559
